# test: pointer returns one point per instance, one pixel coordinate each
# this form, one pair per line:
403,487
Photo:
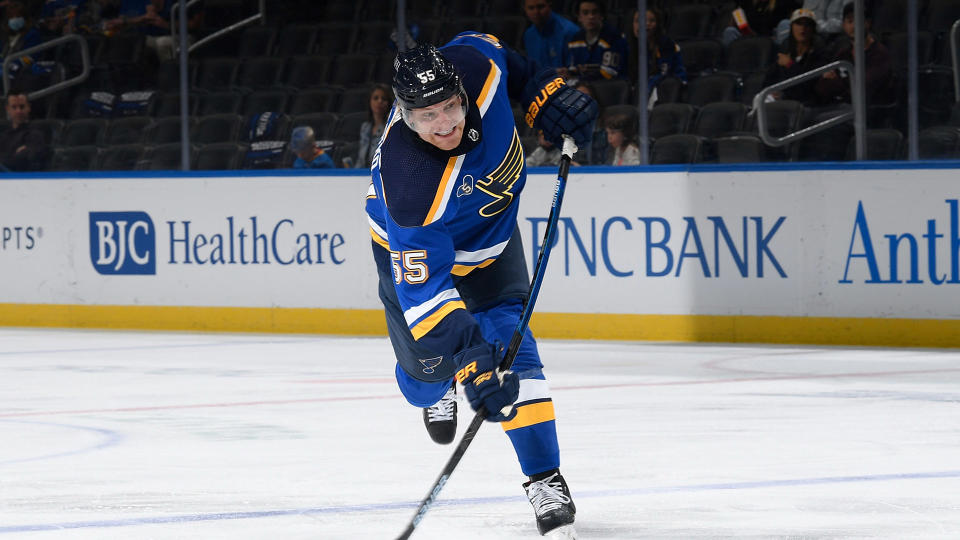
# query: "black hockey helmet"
424,77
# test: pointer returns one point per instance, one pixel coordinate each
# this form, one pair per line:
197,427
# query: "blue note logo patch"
430,363
123,243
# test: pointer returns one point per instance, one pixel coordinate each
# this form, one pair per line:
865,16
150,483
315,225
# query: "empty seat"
307,71
670,89
165,157
222,102
165,130
890,16
296,39
343,151
827,145
220,156
259,72
692,20
750,54
82,132
782,117
348,128
257,41
311,101
384,70
373,37
50,127
681,148
333,39
125,130
701,55
168,104
216,73
941,142
76,158
937,94
941,14
739,149
216,128
265,101
168,75
122,157
670,119
716,119
611,92
355,100
340,11
712,88
881,144
353,69
897,44
323,124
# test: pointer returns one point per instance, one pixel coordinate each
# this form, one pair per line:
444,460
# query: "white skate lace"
442,410
546,495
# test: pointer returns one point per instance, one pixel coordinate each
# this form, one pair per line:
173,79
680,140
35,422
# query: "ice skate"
553,506
441,418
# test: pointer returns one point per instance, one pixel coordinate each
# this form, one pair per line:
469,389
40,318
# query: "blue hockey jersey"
444,214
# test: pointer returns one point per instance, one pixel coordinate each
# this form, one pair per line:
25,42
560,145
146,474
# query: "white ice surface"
129,435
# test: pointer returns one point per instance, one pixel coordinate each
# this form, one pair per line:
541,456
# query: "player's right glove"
559,109
484,386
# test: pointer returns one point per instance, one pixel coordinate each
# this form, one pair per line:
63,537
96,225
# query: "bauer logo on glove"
558,109
541,99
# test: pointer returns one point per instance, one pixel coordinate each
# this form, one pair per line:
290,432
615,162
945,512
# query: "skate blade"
564,532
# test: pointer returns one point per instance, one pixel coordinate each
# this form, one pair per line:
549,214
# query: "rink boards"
832,254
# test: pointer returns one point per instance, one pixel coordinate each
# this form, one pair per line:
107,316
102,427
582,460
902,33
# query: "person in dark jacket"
878,74
663,53
22,147
802,51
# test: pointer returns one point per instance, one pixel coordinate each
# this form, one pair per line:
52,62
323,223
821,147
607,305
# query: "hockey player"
442,209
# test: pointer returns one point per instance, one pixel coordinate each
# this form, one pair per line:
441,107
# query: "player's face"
442,124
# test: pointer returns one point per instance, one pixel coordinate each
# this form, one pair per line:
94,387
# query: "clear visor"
441,118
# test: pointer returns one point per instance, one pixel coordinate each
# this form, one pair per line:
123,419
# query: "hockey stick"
569,148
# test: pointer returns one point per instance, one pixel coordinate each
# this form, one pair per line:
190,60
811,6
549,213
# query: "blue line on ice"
473,501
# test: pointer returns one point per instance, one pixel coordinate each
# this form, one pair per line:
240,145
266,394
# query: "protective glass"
441,118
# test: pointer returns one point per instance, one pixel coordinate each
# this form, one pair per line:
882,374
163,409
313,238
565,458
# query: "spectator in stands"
151,18
801,52
309,155
757,17
829,14
549,34
596,51
596,153
18,34
22,148
59,17
622,137
546,153
663,54
381,99
878,75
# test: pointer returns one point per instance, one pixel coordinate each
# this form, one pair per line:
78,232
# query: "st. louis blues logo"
466,187
430,363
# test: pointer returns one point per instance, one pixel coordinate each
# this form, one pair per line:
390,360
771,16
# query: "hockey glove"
558,109
485,387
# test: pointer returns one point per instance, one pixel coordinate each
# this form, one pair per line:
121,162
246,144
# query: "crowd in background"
325,102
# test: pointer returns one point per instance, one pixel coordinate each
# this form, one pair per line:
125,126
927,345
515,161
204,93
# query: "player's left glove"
558,109
486,387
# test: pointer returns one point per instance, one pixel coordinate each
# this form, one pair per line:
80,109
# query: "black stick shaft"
512,349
